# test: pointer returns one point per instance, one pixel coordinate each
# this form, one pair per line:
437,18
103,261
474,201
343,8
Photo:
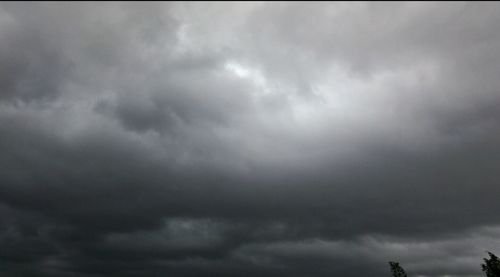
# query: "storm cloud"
248,139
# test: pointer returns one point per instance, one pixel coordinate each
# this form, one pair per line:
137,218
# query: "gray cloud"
244,139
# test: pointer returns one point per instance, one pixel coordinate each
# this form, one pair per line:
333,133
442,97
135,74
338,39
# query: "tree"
397,270
491,266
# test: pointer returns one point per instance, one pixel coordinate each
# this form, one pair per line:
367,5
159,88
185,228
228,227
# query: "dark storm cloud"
244,139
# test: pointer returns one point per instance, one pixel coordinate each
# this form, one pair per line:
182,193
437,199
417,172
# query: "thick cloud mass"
248,139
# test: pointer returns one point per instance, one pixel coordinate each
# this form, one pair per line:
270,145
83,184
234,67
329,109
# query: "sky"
298,139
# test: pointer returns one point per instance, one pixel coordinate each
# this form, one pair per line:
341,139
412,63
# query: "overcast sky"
248,139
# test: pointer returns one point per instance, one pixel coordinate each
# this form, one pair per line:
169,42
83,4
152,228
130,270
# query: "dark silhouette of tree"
491,266
397,270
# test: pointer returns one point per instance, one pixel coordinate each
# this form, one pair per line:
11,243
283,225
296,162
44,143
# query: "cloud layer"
248,139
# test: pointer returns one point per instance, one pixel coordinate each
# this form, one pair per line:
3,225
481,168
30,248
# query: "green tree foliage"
491,266
397,270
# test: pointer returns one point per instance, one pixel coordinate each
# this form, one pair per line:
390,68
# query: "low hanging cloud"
245,139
